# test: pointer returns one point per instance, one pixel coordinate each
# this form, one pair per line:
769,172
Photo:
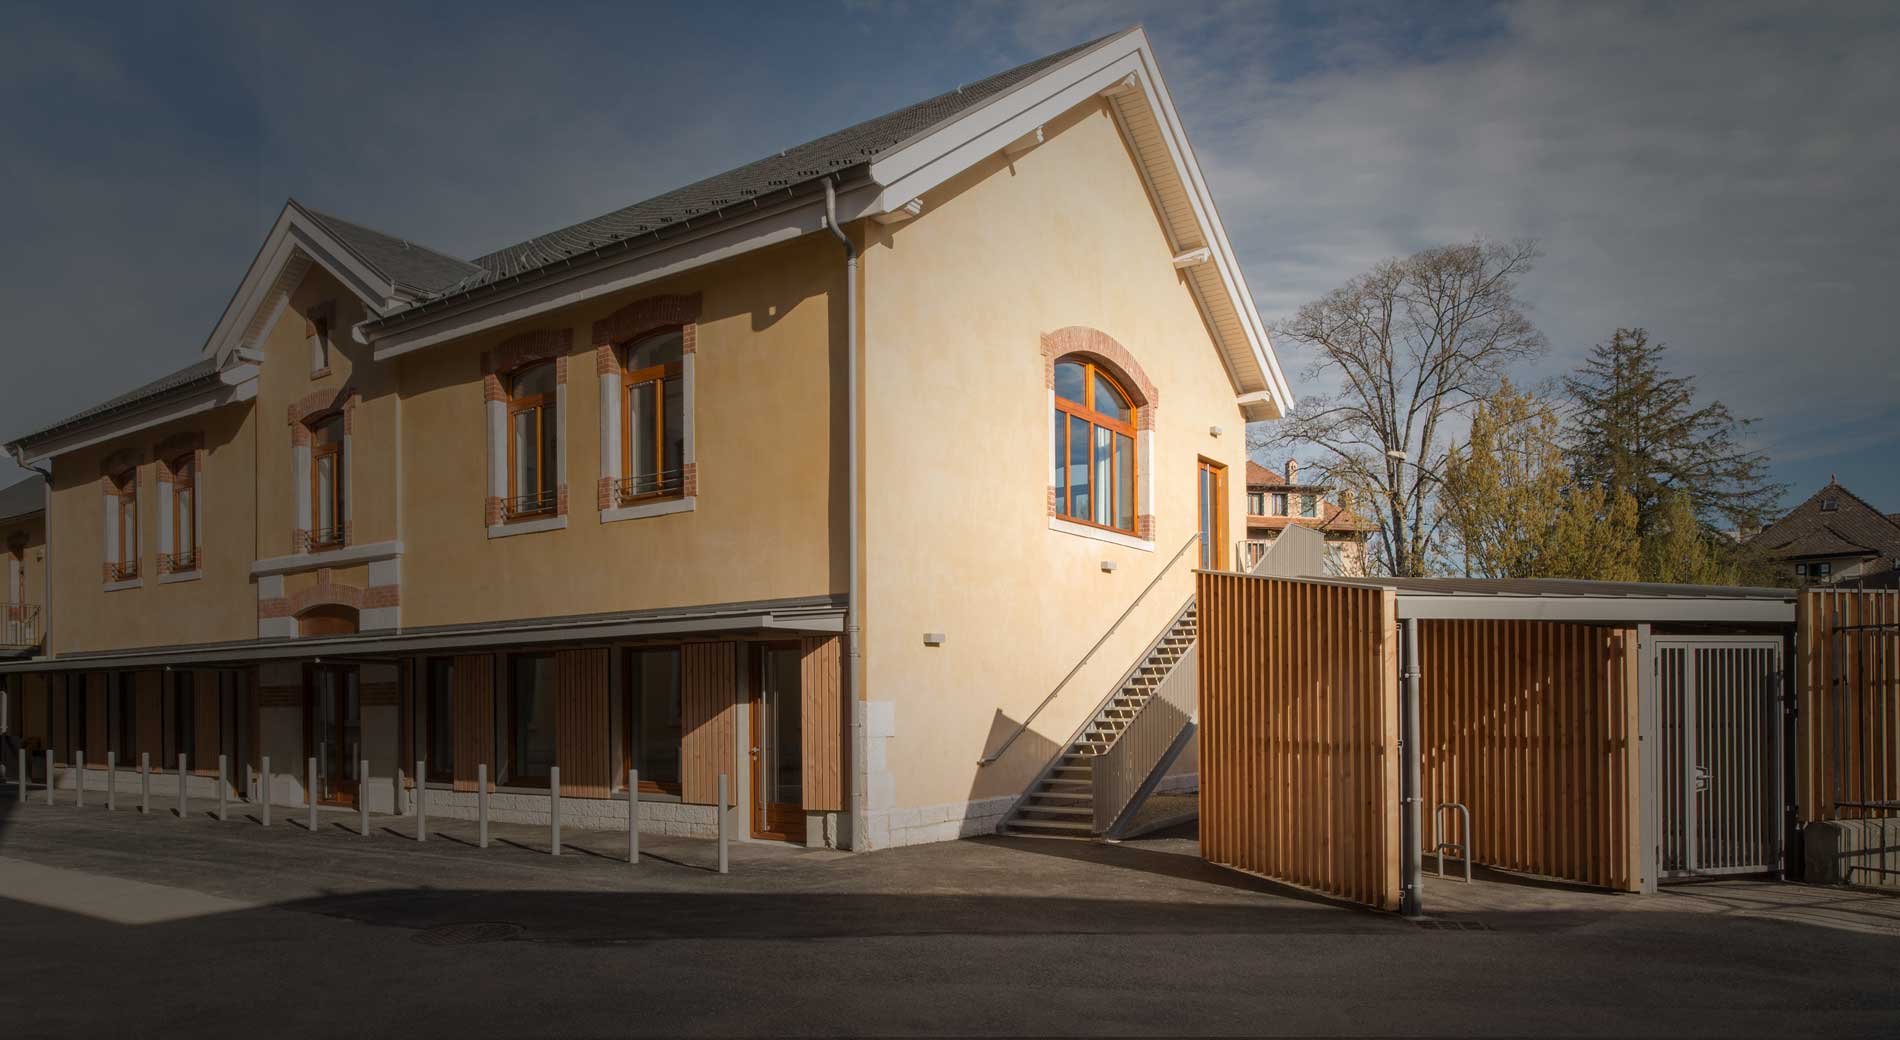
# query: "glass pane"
550,443
535,381
1124,482
527,453
643,454
1057,471
1309,506
323,735
1104,476
326,495
1109,400
1079,468
673,438
187,522
657,721
329,431
783,755
662,348
1069,381
532,699
351,739
1207,519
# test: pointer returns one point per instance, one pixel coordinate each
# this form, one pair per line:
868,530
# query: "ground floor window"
75,719
122,718
438,720
177,738
650,740
528,721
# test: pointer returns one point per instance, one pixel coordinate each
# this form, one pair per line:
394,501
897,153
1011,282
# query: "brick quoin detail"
328,594
1080,339
322,402
526,347
604,493
649,314
604,364
689,479
491,511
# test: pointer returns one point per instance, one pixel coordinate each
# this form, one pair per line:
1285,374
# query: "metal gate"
1721,700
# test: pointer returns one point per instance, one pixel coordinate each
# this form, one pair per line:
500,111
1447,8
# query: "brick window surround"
328,593
1102,348
498,363
302,415
111,468
169,451
636,319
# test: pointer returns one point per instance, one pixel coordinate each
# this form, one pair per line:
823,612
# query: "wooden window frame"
546,501
1309,507
185,518
657,375
1281,504
1214,556
330,455
125,487
1087,413
629,703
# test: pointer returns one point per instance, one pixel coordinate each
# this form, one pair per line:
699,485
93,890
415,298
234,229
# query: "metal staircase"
1061,803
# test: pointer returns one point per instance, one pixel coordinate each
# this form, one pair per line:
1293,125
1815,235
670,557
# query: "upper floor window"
528,722
1256,503
317,322
184,541
122,558
533,432
1309,506
327,486
1279,503
1829,505
653,416
1094,447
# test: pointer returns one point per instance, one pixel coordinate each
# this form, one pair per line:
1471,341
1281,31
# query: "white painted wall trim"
347,556
1057,523
177,576
121,586
143,419
552,523
662,507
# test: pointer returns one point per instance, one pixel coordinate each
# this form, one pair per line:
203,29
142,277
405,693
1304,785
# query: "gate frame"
1649,683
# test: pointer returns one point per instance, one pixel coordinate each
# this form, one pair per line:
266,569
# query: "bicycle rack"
1462,848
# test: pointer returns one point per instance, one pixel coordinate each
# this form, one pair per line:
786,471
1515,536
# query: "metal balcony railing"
650,485
122,570
178,563
20,626
326,538
534,503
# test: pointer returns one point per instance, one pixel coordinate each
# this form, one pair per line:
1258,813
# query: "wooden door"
778,761
1211,513
333,730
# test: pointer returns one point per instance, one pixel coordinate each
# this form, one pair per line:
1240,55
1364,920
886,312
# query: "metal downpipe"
1411,855
854,654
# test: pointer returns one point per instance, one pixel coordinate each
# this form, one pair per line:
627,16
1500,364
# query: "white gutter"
853,627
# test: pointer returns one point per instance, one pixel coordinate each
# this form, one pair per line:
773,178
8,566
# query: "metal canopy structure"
1560,599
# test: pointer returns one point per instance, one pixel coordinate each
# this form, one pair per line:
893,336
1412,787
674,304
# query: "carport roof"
1564,599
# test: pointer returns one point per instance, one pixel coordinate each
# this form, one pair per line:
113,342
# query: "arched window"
326,482
652,416
184,547
124,563
533,426
1094,449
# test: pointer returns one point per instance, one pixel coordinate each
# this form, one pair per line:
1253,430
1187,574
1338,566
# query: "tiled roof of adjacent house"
1853,529
190,377
1260,478
23,498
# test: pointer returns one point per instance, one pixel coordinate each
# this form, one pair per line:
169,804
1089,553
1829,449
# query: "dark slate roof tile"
198,372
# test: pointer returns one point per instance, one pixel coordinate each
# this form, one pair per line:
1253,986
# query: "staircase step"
1059,811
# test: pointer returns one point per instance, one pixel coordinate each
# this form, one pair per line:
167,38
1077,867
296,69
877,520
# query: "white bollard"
49,778
310,794
182,810
112,780
221,785
79,778
145,782
265,817
554,807
362,798
722,823
422,801
633,816
481,805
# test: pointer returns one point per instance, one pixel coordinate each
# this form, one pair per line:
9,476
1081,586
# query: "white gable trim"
235,384
295,241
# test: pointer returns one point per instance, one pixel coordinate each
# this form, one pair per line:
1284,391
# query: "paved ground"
116,924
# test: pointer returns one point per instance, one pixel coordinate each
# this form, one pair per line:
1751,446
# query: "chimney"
1293,471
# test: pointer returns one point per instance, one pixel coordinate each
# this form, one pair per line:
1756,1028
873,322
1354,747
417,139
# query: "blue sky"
1721,175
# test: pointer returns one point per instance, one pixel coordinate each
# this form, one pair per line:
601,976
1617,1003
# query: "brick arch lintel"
1080,339
647,314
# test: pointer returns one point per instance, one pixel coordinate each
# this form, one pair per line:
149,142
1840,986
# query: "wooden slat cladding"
1532,726
206,720
1299,733
823,718
96,739
581,740
33,708
708,717
149,689
474,698
1848,685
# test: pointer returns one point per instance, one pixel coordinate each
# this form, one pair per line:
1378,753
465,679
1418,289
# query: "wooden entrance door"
778,746
333,730
1211,478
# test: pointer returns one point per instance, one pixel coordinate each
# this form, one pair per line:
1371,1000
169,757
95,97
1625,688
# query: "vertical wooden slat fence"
474,728
1299,733
823,720
96,739
582,734
1848,731
709,715
1532,726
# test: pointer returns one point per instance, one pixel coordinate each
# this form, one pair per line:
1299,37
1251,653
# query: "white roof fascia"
719,240
930,159
293,233
235,385
1626,609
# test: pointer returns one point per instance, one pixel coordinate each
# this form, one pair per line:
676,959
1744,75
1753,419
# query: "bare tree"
1409,344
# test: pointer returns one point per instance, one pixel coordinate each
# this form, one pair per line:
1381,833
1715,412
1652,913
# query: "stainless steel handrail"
1023,726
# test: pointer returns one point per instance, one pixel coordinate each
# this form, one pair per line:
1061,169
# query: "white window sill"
551,523
1129,541
659,507
338,557
178,576
129,583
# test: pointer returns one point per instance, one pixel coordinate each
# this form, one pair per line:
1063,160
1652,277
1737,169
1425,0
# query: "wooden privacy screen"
1532,726
582,737
474,729
1849,722
149,717
96,739
709,682
207,720
823,718
1299,733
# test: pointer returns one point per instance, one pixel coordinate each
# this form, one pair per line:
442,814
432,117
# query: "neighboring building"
23,539
1834,538
357,527
1276,501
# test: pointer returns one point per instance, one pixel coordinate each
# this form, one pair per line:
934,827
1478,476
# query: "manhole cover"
468,934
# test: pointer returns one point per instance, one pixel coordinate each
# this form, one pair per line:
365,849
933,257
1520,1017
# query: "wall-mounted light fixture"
1108,566
933,638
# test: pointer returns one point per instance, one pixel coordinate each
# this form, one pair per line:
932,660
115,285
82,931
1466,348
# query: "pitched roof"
201,372
1260,478
1853,529
23,498
402,261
